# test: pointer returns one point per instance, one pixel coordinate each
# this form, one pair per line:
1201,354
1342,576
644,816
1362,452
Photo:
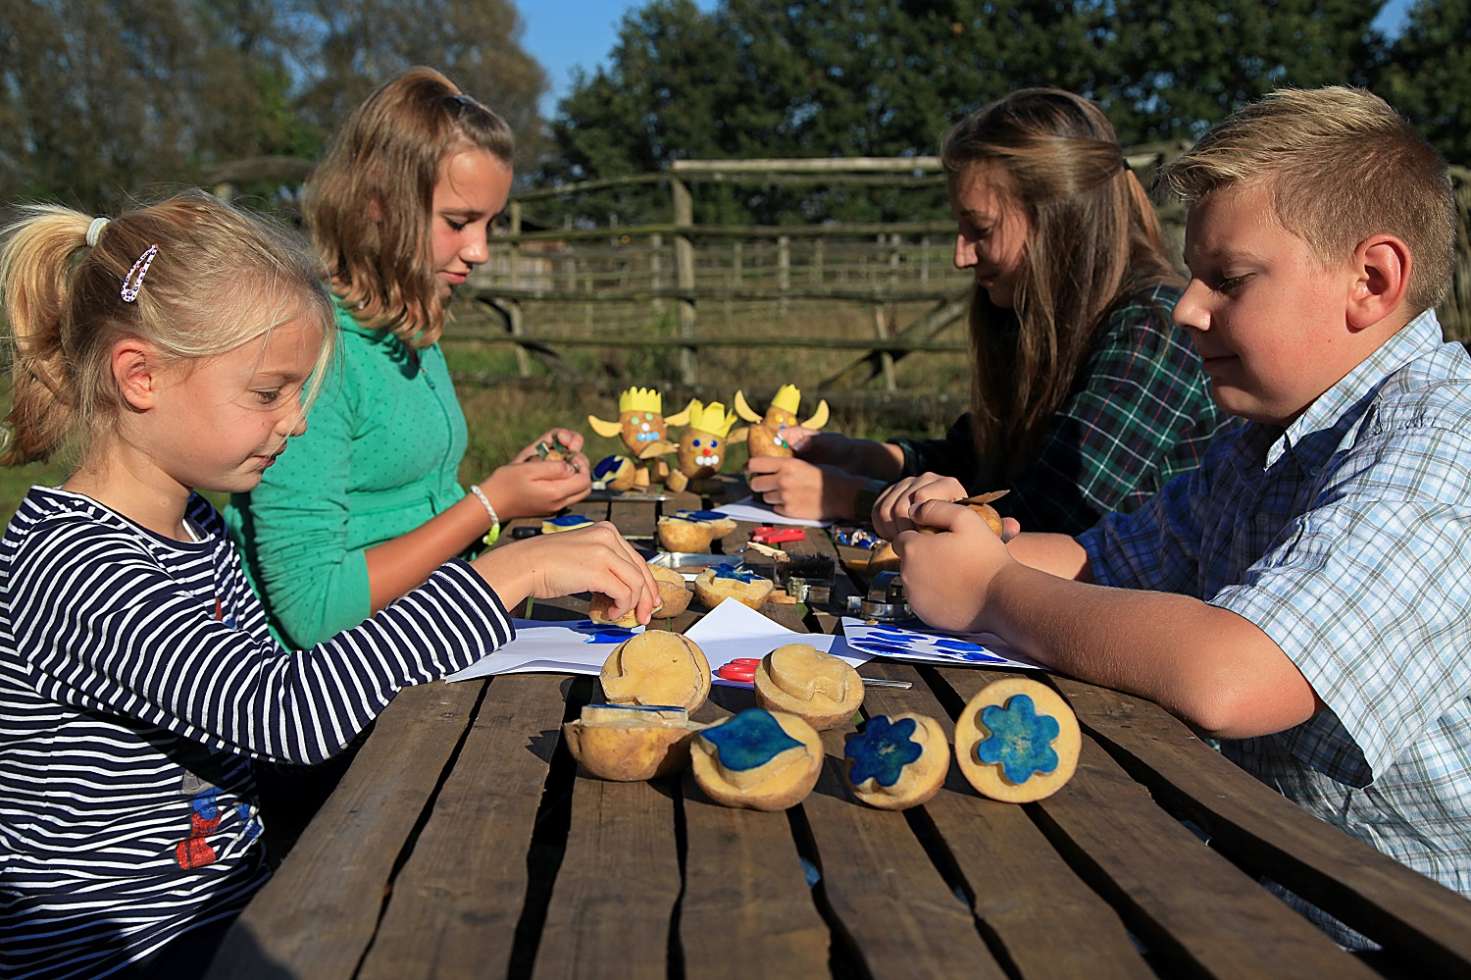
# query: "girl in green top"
367,503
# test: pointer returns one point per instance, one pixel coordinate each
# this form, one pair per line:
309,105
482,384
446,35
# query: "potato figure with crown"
765,435
702,446
641,423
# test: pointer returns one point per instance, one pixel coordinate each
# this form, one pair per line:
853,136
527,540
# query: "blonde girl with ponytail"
173,349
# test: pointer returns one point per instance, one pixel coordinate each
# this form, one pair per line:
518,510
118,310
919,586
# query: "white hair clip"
94,231
133,281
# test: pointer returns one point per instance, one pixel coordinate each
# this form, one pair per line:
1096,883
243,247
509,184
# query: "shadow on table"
242,955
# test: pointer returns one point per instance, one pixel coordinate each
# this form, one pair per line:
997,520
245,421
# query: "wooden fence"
881,291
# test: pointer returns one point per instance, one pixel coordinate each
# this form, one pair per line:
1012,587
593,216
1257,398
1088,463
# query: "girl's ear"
136,372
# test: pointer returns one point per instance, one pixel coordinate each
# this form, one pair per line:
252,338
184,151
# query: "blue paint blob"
881,751
1020,739
570,520
699,515
606,467
956,646
602,632
735,573
749,740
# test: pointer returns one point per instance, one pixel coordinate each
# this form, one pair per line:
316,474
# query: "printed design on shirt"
195,851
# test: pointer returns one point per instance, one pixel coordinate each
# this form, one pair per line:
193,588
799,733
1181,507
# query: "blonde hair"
1094,240
1341,165
387,157
221,278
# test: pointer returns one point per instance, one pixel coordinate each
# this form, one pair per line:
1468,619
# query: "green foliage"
1428,75
843,78
102,101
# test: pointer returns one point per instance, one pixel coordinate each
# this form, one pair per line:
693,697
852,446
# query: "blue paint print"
955,646
1020,739
736,573
881,648
570,520
749,740
699,515
882,750
607,466
601,632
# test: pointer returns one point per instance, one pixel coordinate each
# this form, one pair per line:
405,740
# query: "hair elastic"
133,281
94,231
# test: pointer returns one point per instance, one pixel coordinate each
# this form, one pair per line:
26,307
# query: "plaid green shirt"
1140,412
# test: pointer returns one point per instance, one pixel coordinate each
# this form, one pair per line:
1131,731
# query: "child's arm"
129,639
1207,665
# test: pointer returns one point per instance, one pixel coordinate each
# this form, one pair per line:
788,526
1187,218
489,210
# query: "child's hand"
891,512
568,439
948,570
797,488
593,559
862,456
537,487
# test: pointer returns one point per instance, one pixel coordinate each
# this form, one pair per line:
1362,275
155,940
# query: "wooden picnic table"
463,841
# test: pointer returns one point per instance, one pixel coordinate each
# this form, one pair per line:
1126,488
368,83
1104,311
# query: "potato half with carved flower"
817,687
657,667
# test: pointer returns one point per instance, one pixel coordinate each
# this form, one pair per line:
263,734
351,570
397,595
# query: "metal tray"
690,563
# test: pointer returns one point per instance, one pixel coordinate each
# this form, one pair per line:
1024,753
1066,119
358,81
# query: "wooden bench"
463,842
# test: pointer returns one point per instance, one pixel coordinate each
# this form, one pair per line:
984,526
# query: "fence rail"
886,289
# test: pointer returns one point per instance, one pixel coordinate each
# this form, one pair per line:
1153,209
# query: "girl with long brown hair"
1085,397
400,211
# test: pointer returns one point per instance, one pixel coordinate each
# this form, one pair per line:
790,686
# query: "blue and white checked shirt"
1347,539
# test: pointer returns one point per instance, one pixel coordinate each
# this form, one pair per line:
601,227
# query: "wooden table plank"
1397,907
456,902
1023,892
894,906
743,877
1190,905
319,912
613,901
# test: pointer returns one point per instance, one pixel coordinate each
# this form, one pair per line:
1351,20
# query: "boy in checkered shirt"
1305,596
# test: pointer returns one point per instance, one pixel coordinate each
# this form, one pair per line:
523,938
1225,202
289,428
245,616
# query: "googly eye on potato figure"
764,438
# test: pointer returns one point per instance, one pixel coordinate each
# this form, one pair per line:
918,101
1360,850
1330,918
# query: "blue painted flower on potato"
749,740
881,750
1020,740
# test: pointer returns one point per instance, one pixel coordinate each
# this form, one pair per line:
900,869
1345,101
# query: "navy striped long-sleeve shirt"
137,681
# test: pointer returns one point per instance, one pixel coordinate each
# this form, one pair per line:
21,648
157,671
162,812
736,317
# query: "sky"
567,34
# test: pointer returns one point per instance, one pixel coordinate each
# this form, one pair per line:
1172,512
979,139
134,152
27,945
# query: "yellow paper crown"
711,418
787,398
640,400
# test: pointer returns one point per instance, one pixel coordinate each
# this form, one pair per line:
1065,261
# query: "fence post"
656,272
783,271
684,263
518,325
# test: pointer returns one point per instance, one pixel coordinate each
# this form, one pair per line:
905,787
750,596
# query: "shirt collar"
1334,408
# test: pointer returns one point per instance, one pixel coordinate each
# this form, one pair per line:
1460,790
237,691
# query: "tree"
1427,75
105,100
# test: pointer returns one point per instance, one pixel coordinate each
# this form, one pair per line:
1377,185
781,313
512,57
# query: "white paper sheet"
931,646
753,510
568,647
731,631
728,632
